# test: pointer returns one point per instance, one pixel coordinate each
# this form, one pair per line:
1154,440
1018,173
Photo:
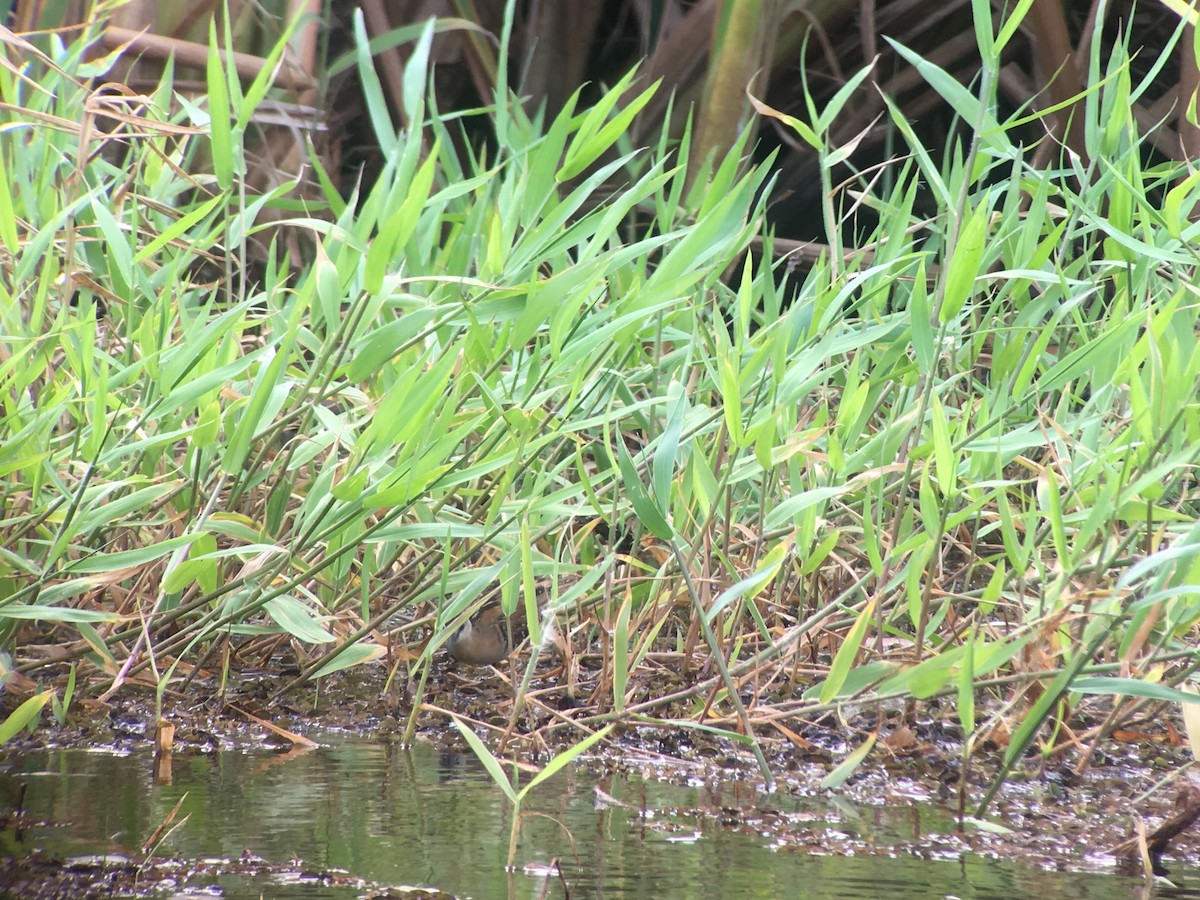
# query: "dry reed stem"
189,53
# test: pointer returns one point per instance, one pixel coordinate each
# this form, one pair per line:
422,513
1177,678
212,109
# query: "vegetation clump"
951,455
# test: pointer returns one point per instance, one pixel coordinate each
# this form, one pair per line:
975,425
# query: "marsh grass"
954,459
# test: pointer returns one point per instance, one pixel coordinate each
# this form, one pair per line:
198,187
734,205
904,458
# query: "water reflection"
392,817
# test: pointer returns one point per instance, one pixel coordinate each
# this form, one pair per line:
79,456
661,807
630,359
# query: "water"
389,817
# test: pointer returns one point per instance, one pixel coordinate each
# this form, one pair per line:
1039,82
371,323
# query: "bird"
489,636
484,639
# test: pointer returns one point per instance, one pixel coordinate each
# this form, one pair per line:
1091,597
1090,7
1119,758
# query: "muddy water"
355,816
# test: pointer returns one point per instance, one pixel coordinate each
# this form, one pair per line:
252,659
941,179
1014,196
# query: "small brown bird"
484,639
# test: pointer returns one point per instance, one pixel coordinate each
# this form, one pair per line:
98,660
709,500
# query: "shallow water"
389,817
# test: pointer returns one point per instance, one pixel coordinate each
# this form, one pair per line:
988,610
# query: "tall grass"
955,458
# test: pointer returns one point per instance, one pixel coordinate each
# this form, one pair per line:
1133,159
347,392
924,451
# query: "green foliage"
516,796
954,435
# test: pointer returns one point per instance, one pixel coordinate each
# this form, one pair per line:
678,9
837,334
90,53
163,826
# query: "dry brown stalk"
248,66
1129,852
